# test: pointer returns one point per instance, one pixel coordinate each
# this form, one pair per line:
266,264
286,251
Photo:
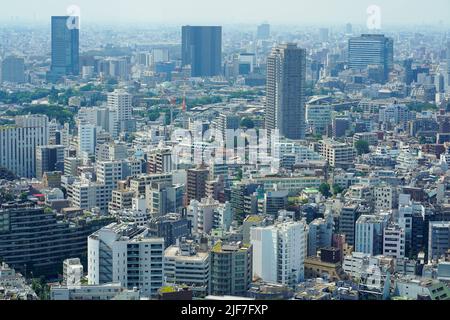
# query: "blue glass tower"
65,47
202,50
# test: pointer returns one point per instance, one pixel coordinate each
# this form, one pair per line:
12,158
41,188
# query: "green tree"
337,189
247,123
362,147
325,190
41,288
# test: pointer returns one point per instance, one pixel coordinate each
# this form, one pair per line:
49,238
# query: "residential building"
285,96
279,252
127,254
231,269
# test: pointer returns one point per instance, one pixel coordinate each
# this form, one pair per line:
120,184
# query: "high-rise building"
48,159
126,253
196,184
409,76
347,221
279,252
202,50
65,48
231,269
120,102
87,139
18,144
371,50
285,102
263,31
13,70
45,242
163,198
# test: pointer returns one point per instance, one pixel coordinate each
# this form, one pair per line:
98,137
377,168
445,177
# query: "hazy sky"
234,11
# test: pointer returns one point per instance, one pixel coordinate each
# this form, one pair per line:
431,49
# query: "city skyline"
256,163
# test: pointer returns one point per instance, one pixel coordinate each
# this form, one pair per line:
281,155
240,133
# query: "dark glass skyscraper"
371,50
202,50
286,80
65,48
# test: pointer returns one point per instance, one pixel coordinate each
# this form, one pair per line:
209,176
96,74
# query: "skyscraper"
409,77
202,50
65,48
371,50
285,102
13,70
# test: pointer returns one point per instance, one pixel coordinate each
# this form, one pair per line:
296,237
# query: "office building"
65,48
202,50
438,239
369,233
164,198
348,216
19,142
13,70
49,159
45,241
196,184
185,264
274,201
87,139
371,50
318,117
338,154
320,234
120,102
170,227
285,97
127,254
